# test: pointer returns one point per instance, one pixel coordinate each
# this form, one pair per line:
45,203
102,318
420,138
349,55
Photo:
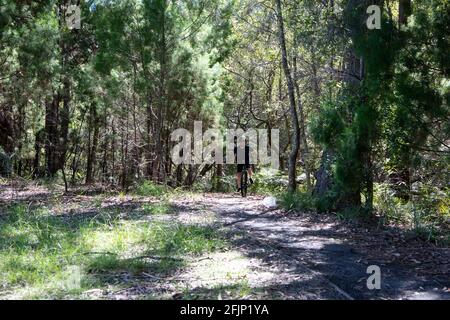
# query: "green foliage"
268,182
298,201
427,214
393,210
327,128
5,164
327,202
150,189
399,105
224,184
350,213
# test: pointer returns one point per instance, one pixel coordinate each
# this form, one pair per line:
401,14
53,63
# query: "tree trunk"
19,137
304,150
105,148
324,175
404,11
158,165
179,175
353,69
149,127
65,122
295,139
38,144
52,136
402,176
92,146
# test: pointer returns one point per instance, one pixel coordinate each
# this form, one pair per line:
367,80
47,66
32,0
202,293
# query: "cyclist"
240,167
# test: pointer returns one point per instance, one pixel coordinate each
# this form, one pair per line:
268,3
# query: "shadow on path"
325,252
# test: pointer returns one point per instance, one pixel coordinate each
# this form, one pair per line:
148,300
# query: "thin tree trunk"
291,91
19,137
65,122
105,148
113,149
66,186
52,134
38,144
92,145
148,157
324,175
404,10
304,150
403,174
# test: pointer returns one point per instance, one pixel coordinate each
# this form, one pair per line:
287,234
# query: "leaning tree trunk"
295,140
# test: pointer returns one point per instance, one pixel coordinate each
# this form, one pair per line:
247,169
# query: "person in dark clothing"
241,166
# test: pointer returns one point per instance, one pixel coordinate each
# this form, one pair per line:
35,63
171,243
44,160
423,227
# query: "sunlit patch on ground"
227,275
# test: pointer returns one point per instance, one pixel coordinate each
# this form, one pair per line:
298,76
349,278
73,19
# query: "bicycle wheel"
244,183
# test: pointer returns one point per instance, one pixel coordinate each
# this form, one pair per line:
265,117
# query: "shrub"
5,164
391,208
267,182
326,202
298,201
427,213
149,188
350,213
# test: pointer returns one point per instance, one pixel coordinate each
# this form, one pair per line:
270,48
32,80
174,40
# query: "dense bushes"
150,189
269,182
427,213
298,201
5,164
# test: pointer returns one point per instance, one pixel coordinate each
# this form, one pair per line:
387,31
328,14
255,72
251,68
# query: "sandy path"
318,257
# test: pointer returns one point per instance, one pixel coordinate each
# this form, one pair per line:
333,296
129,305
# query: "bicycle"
244,182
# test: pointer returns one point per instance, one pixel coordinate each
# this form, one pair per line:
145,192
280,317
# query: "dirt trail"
270,254
321,257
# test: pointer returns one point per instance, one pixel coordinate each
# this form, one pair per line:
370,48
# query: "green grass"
37,250
160,208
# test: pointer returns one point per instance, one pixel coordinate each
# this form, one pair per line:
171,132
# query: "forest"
91,92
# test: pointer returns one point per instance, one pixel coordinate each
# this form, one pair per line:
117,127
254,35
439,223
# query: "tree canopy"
357,108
